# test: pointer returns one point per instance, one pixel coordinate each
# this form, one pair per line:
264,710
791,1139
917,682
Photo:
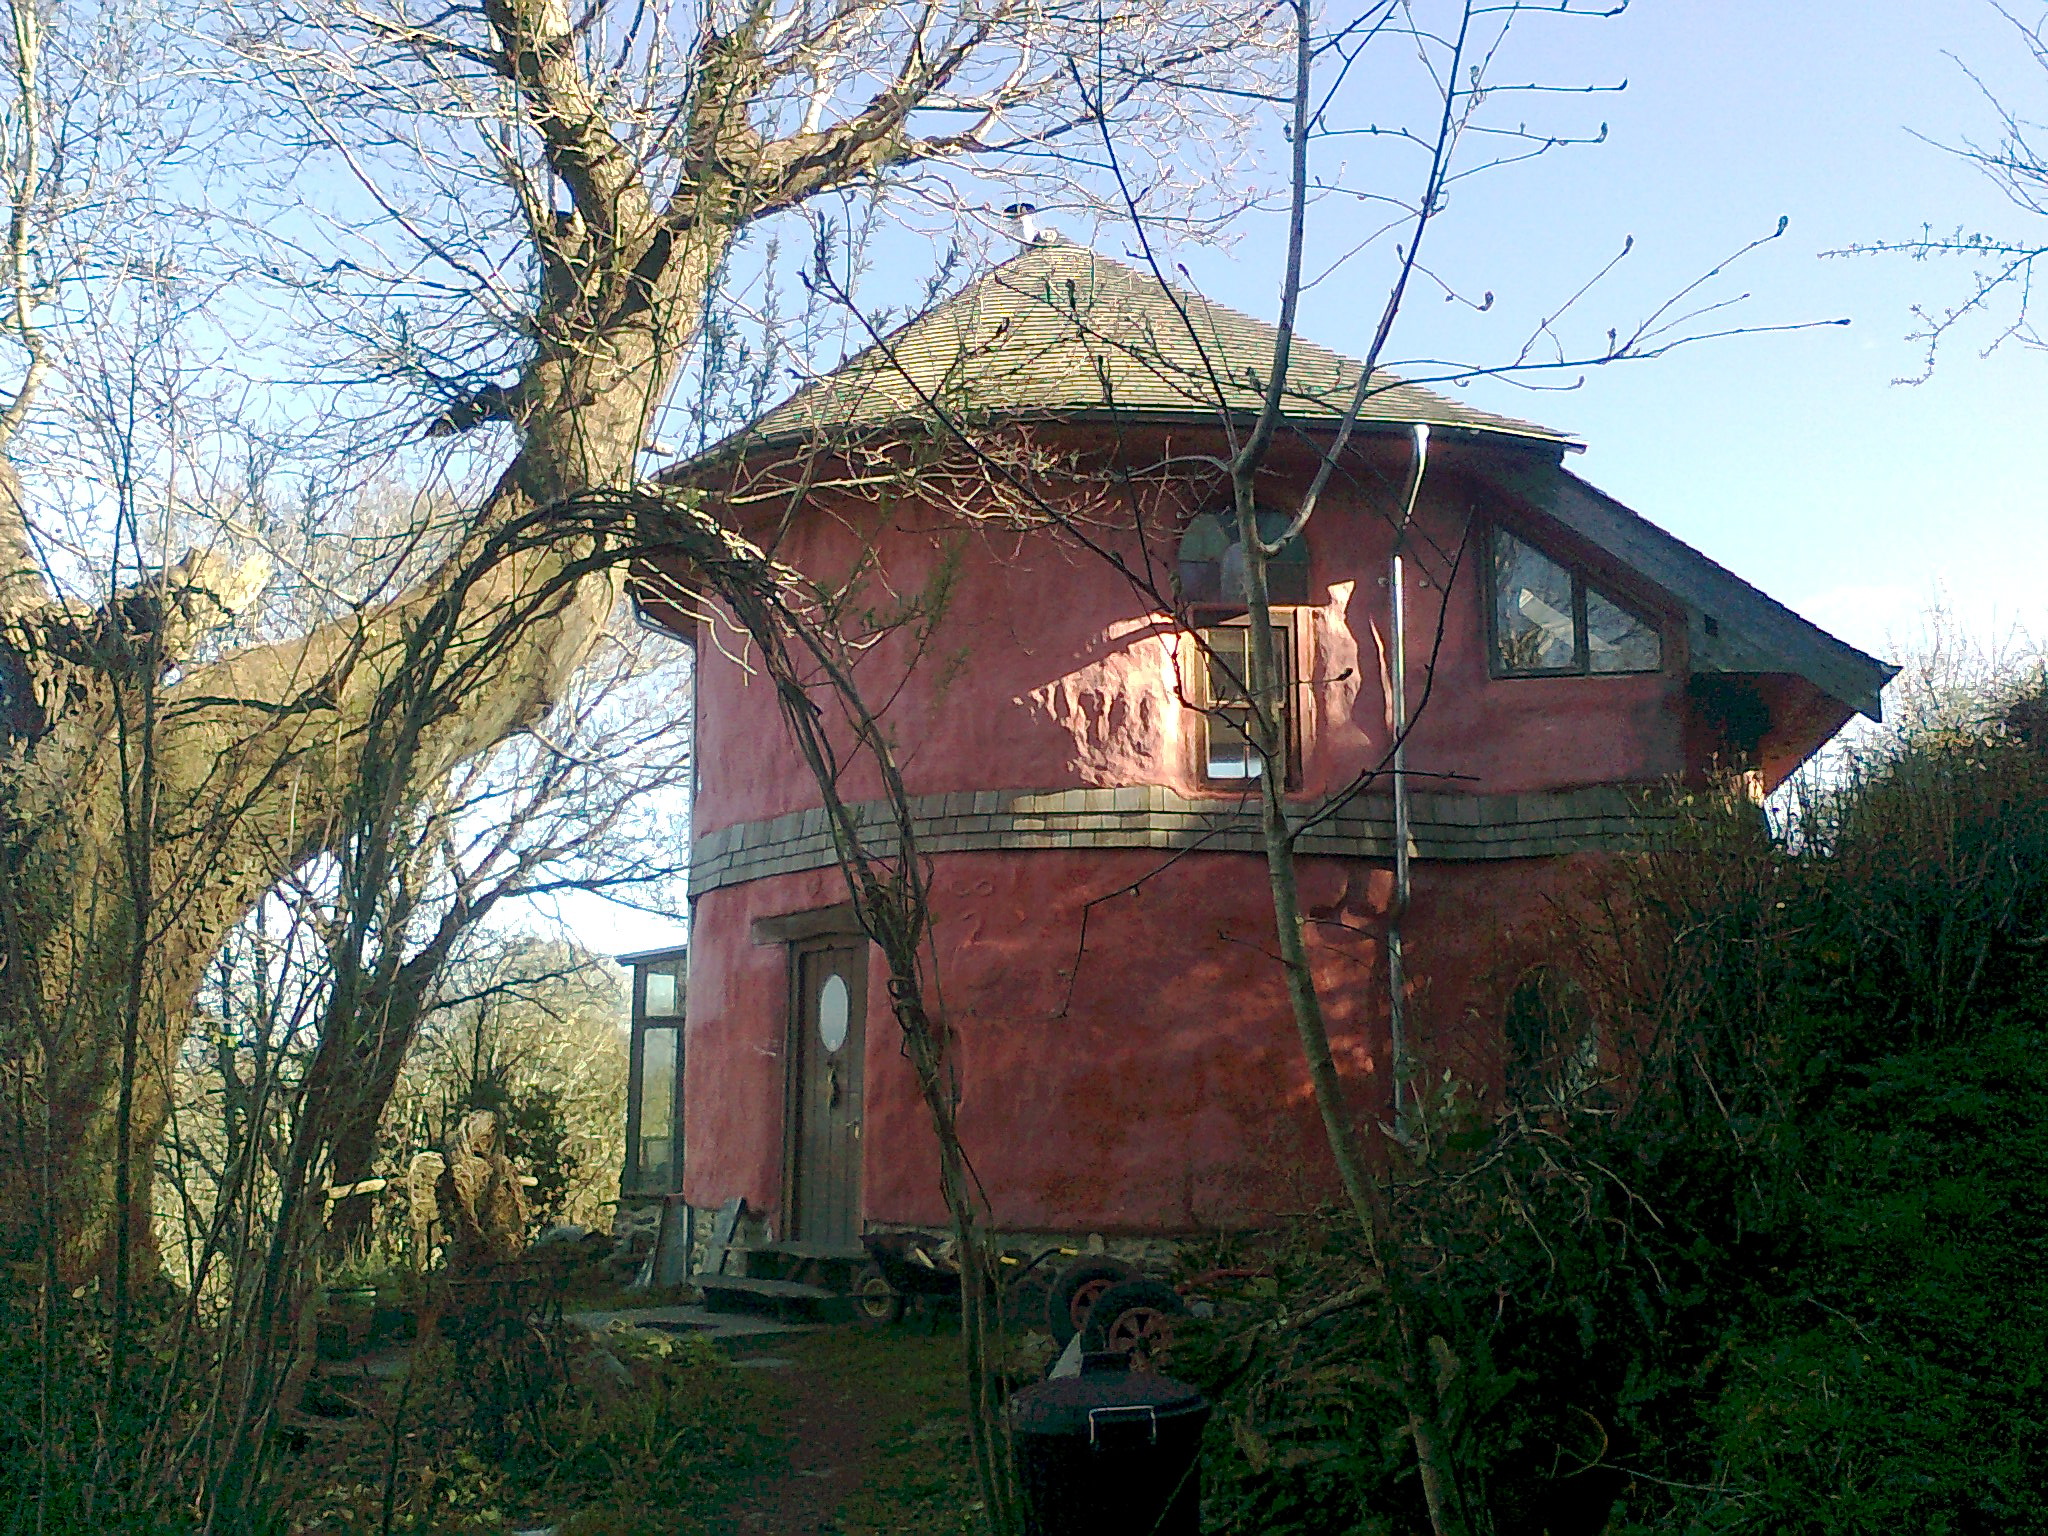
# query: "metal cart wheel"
1135,1318
876,1302
1076,1290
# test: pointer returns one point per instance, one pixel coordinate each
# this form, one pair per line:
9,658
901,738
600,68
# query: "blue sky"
1792,458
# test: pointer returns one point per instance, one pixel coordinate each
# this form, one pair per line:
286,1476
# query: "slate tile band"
1600,819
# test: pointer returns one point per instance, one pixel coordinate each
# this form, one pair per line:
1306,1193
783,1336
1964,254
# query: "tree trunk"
145,822
368,1084
142,817
1363,1185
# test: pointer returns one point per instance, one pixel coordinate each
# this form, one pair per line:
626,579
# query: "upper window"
1224,659
1549,621
664,994
1212,562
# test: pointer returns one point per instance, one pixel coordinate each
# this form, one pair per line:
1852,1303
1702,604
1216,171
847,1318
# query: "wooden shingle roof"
1061,333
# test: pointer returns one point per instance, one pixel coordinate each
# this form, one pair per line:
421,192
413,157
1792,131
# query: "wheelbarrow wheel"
1135,1318
876,1303
1076,1290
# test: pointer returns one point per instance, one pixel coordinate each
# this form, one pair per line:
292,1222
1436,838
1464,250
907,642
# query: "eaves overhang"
870,436
1731,626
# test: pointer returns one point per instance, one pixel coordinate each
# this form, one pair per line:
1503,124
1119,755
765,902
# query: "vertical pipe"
1397,980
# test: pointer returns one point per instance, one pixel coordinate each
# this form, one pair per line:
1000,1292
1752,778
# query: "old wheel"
1135,1318
1076,1291
875,1302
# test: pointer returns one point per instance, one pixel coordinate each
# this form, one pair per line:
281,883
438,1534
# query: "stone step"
791,1290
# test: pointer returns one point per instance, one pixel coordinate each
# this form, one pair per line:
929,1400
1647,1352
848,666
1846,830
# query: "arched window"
1212,581
1553,1048
1212,562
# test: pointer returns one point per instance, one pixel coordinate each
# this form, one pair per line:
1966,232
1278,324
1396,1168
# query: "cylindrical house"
1018,495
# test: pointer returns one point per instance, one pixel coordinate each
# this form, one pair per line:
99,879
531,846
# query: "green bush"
1786,1271
68,1455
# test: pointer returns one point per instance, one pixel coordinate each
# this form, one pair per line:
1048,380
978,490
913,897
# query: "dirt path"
875,1439
830,1442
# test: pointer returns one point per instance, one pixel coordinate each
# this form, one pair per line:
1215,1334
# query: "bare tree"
2001,286
570,185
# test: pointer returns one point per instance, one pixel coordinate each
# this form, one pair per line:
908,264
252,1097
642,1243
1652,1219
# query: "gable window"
1224,664
1549,621
654,1097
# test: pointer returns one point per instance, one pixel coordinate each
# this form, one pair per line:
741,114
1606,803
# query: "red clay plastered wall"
1166,1093
1047,672
1155,1087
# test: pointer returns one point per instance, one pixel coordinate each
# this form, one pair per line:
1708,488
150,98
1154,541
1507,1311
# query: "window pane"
1230,754
1532,609
657,1108
657,1165
1230,749
1618,641
1229,664
661,994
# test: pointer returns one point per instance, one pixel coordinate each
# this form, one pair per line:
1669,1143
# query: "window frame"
635,1181
1286,636
1582,648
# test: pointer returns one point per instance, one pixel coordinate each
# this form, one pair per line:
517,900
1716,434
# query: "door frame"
793,1044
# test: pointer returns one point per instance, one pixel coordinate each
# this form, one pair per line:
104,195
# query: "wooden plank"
672,1243
722,1226
818,923
853,1252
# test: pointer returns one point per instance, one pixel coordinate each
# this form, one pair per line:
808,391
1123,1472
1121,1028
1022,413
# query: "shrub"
1786,1271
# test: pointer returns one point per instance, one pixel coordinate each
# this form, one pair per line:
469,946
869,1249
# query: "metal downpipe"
1397,980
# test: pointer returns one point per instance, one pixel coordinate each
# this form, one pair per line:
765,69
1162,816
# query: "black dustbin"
1110,1452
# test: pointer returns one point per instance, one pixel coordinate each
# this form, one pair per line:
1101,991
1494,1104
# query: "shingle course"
1059,332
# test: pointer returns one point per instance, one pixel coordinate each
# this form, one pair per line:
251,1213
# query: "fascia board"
1756,633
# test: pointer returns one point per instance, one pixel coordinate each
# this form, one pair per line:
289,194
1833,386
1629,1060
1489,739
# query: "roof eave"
647,956
1731,626
743,444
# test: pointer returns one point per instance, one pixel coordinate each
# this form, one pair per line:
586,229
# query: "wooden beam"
818,923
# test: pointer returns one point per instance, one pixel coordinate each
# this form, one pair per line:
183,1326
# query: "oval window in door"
832,1013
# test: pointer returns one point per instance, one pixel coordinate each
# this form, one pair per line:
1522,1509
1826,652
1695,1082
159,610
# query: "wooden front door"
825,1093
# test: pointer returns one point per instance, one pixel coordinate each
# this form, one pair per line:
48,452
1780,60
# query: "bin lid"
1077,1405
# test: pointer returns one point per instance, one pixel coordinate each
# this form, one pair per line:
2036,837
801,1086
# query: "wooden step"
847,1253
782,1290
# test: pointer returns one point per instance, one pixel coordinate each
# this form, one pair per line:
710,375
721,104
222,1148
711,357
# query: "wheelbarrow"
925,1267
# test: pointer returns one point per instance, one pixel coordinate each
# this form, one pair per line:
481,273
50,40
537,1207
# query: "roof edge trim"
1731,626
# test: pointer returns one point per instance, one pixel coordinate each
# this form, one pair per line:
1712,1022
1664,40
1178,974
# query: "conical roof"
1061,333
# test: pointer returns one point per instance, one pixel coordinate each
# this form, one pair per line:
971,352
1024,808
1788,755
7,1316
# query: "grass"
648,1435
664,1457
691,1449
916,1479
